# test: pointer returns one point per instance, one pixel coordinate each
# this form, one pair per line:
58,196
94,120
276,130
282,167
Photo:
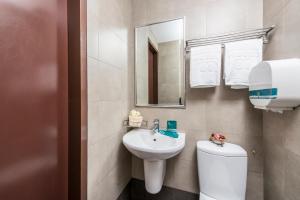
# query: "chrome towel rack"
231,37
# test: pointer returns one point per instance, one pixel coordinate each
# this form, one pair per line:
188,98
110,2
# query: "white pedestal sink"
154,149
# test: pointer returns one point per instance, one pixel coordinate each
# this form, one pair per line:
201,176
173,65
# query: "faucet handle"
155,126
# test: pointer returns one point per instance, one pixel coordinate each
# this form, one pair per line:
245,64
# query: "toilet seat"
205,197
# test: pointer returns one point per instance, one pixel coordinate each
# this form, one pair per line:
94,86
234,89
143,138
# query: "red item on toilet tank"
217,138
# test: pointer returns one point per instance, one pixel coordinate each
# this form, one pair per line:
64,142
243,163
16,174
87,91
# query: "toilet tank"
222,170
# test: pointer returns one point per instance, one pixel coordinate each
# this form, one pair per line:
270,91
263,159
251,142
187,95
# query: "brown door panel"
34,100
152,74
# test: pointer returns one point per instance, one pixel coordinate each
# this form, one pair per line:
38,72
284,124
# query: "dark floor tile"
164,194
183,195
125,195
138,192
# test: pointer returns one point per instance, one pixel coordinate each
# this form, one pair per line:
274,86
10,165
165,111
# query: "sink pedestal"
155,171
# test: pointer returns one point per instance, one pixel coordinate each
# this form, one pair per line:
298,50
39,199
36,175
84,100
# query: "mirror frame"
184,68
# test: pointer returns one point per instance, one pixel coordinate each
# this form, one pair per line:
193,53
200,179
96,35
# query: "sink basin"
145,144
154,149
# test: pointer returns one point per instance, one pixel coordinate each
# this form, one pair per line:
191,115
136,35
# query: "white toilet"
222,171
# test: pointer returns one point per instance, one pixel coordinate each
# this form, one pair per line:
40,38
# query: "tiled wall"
110,46
208,110
281,135
169,72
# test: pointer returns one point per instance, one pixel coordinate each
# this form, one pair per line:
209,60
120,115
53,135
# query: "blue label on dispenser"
270,93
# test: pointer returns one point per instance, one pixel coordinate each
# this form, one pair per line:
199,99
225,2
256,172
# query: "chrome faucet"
155,127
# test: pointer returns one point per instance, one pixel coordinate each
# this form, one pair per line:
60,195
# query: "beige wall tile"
112,49
274,163
240,116
254,14
140,12
109,50
182,174
137,168
93,68
272,8
281,143
189,152
195,28
92,37
291,16
255,186
94,125
107,124
281,132
225,16
105,81
114,182
291,129
292,179
273,190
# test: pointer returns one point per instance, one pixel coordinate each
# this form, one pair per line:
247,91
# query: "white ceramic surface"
154,149
222,171
282,75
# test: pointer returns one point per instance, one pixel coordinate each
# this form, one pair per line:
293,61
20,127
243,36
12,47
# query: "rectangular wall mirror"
160,64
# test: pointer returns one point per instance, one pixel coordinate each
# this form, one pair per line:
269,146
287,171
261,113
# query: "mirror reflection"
159,64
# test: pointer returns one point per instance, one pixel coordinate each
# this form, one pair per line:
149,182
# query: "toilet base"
205,197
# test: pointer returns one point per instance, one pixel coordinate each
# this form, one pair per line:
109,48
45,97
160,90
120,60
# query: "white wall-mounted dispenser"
275,85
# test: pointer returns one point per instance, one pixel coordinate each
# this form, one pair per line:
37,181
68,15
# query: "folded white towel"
240,58
205,66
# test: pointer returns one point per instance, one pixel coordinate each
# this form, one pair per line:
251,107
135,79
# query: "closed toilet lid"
228,149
